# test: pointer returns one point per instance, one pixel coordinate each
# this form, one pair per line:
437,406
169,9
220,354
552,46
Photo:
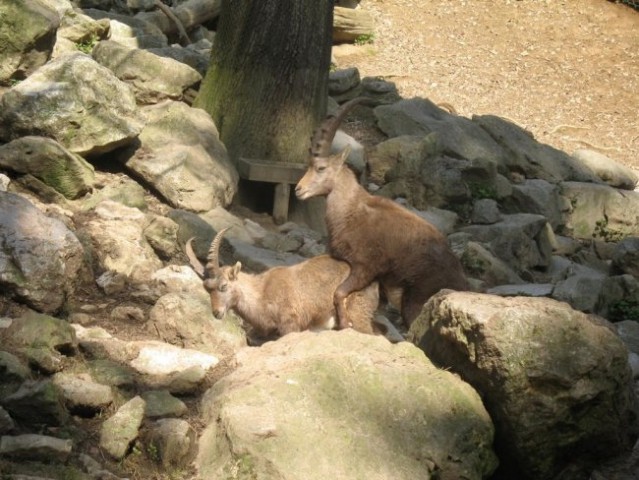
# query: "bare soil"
567,71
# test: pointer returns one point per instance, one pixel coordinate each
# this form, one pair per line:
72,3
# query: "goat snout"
219,313
299,192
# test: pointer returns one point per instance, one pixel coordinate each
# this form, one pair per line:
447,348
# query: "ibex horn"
323,137
195,262
213,258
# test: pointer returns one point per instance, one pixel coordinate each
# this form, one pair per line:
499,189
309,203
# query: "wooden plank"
272,172
280,203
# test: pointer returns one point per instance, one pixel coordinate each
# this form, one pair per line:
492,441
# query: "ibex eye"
222,288
321,168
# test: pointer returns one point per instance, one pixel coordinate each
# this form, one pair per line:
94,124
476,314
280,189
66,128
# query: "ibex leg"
354,282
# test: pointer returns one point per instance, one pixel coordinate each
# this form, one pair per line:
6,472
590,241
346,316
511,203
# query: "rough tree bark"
267,85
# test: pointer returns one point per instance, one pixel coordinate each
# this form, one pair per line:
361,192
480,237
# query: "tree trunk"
267,85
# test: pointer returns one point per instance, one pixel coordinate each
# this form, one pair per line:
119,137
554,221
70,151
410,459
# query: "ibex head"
320,177
218,281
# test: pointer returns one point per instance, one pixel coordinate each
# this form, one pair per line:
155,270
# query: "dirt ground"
567,71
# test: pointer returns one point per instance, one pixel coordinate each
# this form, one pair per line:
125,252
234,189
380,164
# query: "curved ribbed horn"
195,262
323,136
213,260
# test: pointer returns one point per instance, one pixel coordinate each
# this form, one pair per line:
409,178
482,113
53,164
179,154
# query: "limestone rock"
27,36
75,101
182,157
121,429
609,171
49,161
175,442
152,77
353,390
41,260
555,381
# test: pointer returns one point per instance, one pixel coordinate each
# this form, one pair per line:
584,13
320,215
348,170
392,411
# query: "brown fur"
380,240
288,299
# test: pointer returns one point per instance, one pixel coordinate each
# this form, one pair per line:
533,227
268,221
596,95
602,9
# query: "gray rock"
120,189
129,31
485,211
79,28
340,81
534,159
557,391
37,403
120,246
194,59
182,158
75,101
523,290
152,77
520,240
50,162
12,373
580,289
82,394
41,260
160,403
120,430
612,173
619,298
109,372
41,448
353,389
175,442
186,319
457,135
27,39
383,156
35,330
176,279
256,259
93,468
537,196
600,211
625,258
44,360
181,371
6,422
480,263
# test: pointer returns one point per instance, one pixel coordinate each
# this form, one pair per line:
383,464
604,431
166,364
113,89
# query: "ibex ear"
341,157
235,271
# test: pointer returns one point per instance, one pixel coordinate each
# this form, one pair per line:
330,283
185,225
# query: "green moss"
604,232
365,39
86,46
624,310
481,191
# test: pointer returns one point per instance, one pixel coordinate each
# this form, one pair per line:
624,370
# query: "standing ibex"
379,239
284,299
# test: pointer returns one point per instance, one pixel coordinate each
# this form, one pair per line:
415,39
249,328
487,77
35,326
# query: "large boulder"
74,100
152,77
47,160
182,157
27,37
600,211
526,155
459,137
343,405
41,260
556,381
121,249
521,240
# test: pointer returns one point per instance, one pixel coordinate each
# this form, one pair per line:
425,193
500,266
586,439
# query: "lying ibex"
379,239
284,299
